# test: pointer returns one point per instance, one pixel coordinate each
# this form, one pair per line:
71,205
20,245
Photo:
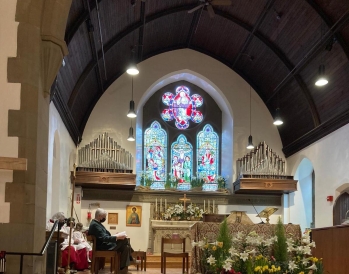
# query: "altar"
167,229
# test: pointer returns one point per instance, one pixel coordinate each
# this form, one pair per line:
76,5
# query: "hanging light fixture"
277,118
250,143
321,80
130,138
131,113
132,67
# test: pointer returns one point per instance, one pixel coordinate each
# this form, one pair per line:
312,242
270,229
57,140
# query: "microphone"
256,212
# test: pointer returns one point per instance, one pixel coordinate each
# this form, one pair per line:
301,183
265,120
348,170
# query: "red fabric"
79,257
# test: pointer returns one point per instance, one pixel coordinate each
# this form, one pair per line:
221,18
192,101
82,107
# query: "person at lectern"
104,240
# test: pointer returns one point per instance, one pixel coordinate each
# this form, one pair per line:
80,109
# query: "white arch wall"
59,201
330,159
229,90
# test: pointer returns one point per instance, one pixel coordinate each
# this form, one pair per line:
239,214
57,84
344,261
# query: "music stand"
268,211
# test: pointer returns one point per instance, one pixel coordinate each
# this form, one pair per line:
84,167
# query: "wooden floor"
133,270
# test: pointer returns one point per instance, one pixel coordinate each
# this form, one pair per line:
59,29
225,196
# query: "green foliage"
224,235
280,247
197,182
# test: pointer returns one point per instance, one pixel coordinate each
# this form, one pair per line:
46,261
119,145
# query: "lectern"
267,212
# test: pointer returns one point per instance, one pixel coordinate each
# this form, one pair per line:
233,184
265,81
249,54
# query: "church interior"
232,108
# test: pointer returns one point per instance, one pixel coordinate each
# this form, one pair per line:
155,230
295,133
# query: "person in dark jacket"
104,240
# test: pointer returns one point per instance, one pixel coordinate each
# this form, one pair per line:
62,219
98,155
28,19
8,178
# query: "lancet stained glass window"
181,160
207,154
182,107
155,152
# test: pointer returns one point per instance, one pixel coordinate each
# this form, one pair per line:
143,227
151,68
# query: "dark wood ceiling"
275,45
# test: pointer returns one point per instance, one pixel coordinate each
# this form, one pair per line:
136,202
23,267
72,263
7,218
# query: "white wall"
58,199
330,159
300,201
229,90
10,96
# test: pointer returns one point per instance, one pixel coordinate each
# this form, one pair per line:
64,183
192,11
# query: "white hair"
58,216
100,211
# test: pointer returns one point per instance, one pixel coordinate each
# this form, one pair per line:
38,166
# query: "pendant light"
130,138
250,143
277,118
321,79
131,113
132,67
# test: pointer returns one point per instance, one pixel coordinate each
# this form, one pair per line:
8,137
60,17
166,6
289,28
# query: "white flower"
244,256
193,244
305,261
292,265
307,250
312,267
233,251
253,252
306,239
227,265
211,260
312,244
201,244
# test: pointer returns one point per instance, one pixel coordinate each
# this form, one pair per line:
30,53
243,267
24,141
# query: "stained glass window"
182,107
207,154
182,161
155,153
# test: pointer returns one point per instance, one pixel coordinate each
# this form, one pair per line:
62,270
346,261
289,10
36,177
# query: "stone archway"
40,49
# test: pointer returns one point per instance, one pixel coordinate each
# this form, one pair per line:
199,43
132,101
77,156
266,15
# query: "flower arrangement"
171,181
221,181
146,180
177,212
250,253
197,181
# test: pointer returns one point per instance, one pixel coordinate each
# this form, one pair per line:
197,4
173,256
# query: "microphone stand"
256,211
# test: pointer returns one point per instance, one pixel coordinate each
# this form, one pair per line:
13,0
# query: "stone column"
40,49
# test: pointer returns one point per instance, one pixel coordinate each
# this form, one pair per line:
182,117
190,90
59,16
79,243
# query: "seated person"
78,258
104,240
79,238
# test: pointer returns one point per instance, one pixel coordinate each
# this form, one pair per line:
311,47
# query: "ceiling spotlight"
131,113
321,80
277,119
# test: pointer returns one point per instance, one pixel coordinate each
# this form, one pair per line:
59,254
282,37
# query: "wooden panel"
332,245
105,180
258,186
13,163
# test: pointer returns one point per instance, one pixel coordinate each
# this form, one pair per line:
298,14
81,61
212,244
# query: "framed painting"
113,218
133,215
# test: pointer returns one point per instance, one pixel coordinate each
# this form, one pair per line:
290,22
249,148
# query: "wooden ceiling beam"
256,26
193,26
313,52
329,23
141,32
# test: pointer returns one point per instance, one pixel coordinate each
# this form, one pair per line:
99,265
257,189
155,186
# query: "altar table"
201,230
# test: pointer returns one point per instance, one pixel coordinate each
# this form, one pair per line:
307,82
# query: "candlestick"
165,204
208,210
204,205
156,205
160,205
213,207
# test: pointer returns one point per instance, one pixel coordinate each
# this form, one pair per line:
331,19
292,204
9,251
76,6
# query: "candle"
204,205
165,204
156,205
208,205
160,205
213,207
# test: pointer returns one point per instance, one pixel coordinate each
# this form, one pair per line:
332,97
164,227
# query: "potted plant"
197,183
171,182
146,181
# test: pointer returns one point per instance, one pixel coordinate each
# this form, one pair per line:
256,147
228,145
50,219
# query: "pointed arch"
155,152
182,159
207,155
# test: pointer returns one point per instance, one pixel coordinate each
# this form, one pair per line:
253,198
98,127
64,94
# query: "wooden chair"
182,254
98,254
